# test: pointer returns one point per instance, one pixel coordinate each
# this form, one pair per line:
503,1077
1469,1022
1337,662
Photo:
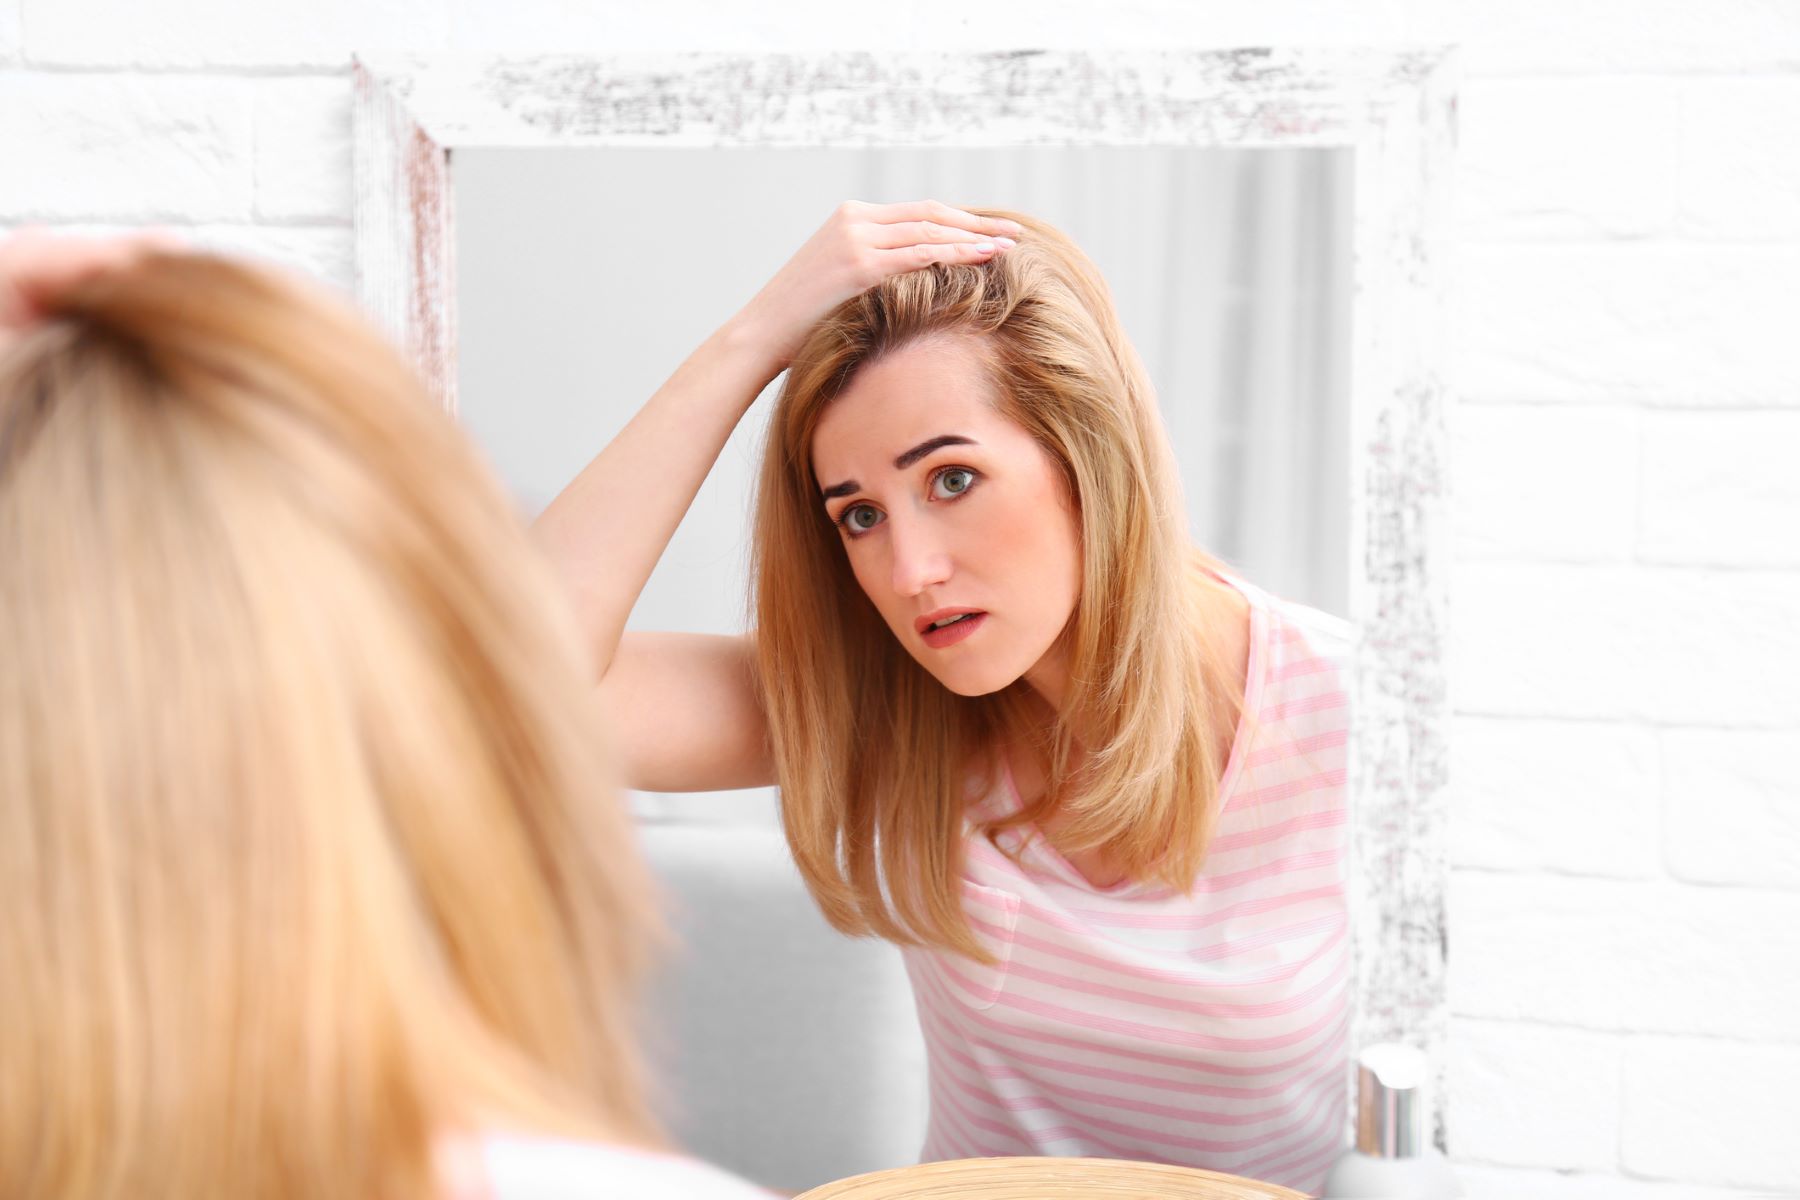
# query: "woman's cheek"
868,574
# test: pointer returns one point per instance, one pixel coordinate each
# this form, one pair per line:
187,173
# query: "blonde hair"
874,755
307,853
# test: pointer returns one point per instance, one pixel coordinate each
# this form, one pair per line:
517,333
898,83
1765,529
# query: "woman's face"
946,507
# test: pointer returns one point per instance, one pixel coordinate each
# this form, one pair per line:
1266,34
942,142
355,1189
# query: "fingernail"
1006,243
983,247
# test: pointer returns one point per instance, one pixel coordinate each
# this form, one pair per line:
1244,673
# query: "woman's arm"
680,708
684,708
606,530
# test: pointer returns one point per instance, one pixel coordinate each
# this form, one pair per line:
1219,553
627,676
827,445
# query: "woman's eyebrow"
926,447
903,461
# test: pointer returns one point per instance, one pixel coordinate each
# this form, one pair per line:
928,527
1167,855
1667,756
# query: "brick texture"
1733,184
1676,646
1655,957
1522,1095
1721,489
9,31
1731,808
1600,37
1665,323
1577,797
124,148
1544,482
1567,158
212,34
1716,1111
302,140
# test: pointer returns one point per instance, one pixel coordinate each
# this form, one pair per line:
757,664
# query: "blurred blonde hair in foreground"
307,855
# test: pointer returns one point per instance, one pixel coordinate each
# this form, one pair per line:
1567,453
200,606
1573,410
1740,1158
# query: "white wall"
1626,906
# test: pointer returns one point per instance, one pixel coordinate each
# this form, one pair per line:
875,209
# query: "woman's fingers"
942,214
37,264
911,258
905,237
857,247
915,233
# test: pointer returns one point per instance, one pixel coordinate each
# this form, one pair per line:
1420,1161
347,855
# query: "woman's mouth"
947,629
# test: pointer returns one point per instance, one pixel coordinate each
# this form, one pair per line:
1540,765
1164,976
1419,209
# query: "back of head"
306,855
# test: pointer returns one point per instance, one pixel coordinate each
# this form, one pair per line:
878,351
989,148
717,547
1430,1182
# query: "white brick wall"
1721,493
301,143
211,35
1527,1095
1718,783
1567,158
1672,645
1712,1110
1736,185
1573,804
9,33
1575,502
1625,912
183,153
1685,323
1625,921
1652,956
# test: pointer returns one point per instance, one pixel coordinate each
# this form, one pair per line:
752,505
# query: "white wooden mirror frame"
1396,109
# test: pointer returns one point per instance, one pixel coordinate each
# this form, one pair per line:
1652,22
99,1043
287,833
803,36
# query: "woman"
312,880
1091,783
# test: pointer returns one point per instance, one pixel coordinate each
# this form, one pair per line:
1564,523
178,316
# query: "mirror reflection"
989,748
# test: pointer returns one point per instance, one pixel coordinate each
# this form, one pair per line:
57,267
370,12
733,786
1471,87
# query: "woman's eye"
952,481
859,518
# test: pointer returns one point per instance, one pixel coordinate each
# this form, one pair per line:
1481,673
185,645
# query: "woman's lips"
954,632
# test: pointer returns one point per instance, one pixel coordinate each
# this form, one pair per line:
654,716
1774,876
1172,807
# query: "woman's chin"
963,670
969,679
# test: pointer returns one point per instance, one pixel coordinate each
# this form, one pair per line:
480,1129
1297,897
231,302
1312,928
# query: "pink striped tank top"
1209,1029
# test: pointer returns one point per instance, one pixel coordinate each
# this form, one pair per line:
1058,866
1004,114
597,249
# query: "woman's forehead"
925,390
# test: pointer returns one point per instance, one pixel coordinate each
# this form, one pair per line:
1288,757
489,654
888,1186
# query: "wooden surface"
1058,1178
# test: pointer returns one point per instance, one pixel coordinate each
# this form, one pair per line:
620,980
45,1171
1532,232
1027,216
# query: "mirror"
550,236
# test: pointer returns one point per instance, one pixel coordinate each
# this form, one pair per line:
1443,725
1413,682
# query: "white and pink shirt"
1208,1030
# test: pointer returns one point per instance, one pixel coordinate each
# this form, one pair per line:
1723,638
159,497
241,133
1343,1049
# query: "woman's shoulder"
1323,634
539,1168
1300,627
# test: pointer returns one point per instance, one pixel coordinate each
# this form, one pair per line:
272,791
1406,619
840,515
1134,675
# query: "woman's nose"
920,561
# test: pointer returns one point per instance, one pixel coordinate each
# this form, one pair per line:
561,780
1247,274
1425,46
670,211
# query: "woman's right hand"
858,247
37,266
